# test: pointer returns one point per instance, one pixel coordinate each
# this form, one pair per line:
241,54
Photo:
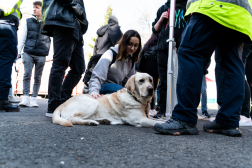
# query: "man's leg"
39,66
229,53
8,53
77,65
63,43
28,65
248,72
194,53
199,39
155,84
246,103
162,58
204,98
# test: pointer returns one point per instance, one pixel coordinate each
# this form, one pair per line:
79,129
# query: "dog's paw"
93,123
104,122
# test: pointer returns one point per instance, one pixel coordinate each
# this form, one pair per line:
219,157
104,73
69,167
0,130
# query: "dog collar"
138,101
133,96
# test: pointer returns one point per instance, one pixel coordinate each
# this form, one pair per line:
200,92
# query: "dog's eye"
142,80
150,80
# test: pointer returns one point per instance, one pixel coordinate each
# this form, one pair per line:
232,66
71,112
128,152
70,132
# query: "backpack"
92,63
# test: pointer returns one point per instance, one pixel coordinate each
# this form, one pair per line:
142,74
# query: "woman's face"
132,45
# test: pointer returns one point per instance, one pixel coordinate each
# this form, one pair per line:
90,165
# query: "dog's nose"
150,90
150,87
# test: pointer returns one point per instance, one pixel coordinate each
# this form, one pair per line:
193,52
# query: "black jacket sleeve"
75,8
159,14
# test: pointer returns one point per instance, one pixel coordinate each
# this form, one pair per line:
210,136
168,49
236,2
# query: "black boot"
160,113
6,106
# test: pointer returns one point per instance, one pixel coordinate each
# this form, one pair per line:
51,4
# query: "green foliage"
106,16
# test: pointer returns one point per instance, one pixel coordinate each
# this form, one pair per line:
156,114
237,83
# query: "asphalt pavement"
28,139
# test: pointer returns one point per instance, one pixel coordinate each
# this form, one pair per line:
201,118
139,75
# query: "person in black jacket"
108,36
66,22
148,64
161,25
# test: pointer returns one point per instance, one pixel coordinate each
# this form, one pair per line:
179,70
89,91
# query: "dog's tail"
57,119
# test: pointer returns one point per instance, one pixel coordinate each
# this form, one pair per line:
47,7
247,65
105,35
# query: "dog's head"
141,85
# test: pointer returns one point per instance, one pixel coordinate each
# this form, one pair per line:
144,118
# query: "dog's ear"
152,83
130,85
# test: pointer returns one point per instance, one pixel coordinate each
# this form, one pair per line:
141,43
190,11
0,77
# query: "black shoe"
160,113
157,108
176,127
214,127
6,106
206,114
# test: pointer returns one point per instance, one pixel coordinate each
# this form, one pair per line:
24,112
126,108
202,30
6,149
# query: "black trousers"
68,52
162,58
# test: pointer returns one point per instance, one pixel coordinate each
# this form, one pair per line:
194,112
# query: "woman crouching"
107,78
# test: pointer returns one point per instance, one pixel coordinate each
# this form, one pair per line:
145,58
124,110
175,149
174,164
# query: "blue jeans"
108,88
8,53
200,38
204,95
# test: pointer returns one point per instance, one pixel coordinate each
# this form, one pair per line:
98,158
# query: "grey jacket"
108,36
115,74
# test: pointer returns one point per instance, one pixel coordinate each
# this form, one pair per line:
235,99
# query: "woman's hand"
165,15
96,95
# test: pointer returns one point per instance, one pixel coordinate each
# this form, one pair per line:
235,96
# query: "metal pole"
170,56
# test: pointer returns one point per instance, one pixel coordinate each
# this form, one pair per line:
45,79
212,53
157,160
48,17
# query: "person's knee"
37,78
27,76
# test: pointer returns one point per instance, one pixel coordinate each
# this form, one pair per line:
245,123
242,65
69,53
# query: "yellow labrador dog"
129,105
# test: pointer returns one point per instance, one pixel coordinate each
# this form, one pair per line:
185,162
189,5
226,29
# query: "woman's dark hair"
123,43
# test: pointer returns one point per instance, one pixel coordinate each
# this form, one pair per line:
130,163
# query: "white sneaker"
212,119
25,101
33,102
152,112
49,115
244,121
13,100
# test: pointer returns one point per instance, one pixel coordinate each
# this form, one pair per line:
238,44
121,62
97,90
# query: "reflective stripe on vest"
13,9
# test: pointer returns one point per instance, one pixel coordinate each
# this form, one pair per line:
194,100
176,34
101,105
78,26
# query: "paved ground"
29,139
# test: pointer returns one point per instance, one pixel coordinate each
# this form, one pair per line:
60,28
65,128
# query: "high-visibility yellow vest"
11,7
234,14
